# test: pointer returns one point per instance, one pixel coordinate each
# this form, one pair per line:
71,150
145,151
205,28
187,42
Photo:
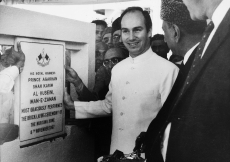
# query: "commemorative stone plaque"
41,87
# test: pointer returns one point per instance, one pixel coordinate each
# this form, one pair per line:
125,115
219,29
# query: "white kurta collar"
141,58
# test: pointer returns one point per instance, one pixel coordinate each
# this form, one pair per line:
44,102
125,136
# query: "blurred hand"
72,77
68,102
12,57
139,143
100,159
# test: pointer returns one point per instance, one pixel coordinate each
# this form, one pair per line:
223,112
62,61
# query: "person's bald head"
113,56
115,52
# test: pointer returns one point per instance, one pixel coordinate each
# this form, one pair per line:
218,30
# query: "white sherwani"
139,86
7,77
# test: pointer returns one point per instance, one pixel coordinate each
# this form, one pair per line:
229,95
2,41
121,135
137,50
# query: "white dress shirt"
7,77
217,18
139,86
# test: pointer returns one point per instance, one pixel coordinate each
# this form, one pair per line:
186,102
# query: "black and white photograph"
114,81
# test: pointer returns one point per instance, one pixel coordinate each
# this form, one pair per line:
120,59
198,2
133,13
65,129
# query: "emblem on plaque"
43,59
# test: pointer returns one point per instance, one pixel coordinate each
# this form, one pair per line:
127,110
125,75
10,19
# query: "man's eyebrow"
124,28
138,27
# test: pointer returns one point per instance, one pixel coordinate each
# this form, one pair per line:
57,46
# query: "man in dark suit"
200,116
182,35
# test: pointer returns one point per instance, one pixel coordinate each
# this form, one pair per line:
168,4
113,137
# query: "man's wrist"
20,65
20,69
70,106
78,85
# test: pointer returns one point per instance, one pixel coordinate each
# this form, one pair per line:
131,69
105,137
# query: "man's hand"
68,102
20,56
12,57
72,77
100,159
139,143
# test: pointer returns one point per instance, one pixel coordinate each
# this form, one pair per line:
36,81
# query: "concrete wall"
78,146
79,37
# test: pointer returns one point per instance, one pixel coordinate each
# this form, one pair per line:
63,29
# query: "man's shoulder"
162,62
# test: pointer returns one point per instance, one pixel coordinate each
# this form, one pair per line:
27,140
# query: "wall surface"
76,147
79,38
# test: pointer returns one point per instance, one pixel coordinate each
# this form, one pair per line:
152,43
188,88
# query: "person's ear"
176,33
150,32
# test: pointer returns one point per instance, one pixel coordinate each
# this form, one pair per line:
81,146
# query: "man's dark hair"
148,21
157,37
100,22
116,25
197,27
194,28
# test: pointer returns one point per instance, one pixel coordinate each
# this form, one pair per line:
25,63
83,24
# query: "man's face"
134,33
160,47
112,57
116,37
99,55
168,35
197,9
107,38
99,58
99,31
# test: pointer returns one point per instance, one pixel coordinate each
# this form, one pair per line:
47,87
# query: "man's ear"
177,33
150,32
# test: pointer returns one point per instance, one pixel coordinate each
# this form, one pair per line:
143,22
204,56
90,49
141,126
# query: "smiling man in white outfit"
139,85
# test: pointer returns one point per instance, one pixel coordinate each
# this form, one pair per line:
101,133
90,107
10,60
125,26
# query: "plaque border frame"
17,105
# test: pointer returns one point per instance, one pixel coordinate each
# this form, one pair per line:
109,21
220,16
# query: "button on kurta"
127,82
121,113
123,97
120,129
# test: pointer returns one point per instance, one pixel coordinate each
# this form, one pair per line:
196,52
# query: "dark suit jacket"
101,87
101,127
200,130
156,125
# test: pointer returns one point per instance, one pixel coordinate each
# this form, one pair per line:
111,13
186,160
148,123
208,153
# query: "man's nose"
99,36
131,36
110,65
120,39
110,45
